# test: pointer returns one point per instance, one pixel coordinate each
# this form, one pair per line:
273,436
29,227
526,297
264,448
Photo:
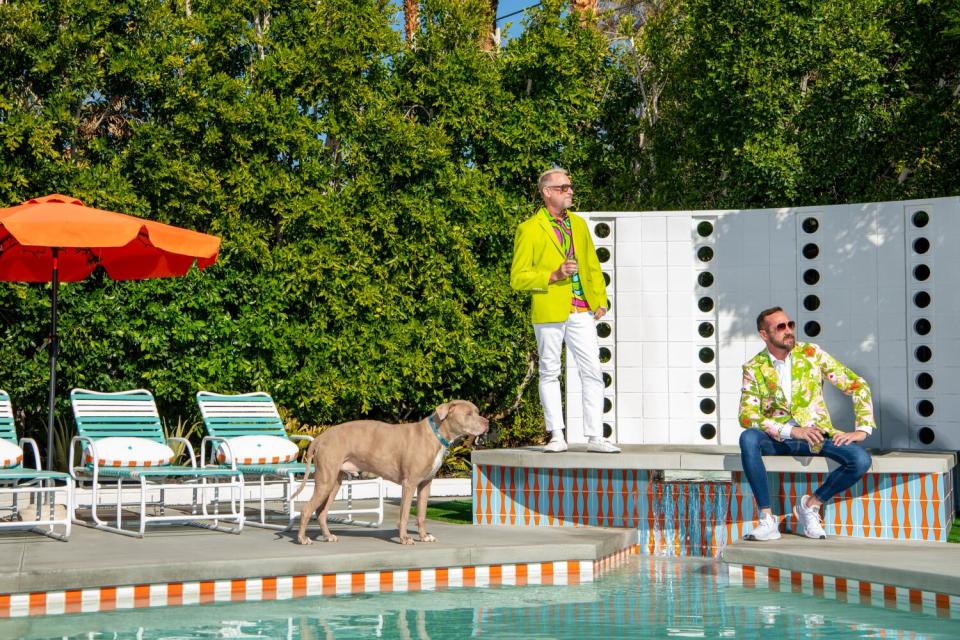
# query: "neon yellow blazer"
763,405
537,253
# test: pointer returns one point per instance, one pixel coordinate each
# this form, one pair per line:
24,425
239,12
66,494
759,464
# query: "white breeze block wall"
874,284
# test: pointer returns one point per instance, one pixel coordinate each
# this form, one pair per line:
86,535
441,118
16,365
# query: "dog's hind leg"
321,492
331,497
423,497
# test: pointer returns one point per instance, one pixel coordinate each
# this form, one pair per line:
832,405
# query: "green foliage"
452,511
367,191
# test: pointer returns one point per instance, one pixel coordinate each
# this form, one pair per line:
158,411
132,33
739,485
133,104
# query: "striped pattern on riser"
100,599
897,506
846,590
687,518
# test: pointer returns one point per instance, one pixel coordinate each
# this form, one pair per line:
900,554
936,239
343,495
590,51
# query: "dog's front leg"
406,500
423,496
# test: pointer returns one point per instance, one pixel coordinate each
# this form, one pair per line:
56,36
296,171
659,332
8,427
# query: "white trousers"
579,332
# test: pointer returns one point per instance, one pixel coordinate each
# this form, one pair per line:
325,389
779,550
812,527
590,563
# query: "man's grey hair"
542,180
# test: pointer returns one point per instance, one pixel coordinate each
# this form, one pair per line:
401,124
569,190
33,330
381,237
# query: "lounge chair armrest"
35,449
223,443
189,447
82,441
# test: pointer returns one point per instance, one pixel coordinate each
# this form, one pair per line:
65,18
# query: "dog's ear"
443,410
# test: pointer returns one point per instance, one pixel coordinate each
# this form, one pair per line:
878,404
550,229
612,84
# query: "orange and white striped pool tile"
100,599
846,590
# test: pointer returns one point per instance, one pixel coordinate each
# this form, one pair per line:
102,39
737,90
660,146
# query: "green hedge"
367,191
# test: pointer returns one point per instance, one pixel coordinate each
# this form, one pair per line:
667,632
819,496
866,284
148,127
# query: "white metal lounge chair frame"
227,416
134,413
39,486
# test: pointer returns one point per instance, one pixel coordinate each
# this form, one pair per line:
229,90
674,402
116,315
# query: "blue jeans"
754,443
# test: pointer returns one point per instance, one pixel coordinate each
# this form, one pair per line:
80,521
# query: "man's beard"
787,342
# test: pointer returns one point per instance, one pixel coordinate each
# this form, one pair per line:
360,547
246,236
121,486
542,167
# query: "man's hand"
811,435
599,312
565,270
848,437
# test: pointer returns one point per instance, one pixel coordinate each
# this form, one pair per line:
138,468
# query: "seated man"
783,413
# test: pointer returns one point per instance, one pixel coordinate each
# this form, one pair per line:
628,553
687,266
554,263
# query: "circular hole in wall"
707,380
704,228
606,278
922,326
706,355
920,219
705,254
811,276
810,251
705,279
607,379
921,299
926,435
924,380
707,405
604,330
602,230
810,225
921,245
603,254
812,328
607,430
607,405
925,408
921,272
705,329
708,431
811,303
705,304
923,353
605,354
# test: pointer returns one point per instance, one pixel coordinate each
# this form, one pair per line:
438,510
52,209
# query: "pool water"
646,598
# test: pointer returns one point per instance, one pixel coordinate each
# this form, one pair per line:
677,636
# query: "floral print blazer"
763,405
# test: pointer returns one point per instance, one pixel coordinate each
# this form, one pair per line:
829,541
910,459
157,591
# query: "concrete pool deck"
180,554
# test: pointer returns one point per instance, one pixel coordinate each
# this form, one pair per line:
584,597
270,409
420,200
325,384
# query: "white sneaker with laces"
811,525
599,445
768,528
557,444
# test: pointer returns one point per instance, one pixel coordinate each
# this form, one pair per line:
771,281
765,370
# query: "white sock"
556,435
595,439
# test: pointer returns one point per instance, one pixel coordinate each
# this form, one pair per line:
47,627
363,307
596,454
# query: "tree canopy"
367,188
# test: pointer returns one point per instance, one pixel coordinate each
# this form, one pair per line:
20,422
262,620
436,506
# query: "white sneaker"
599,445
768,528
811,525
556,445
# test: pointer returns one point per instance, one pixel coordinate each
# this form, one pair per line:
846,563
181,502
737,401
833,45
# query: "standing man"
783,413
554,259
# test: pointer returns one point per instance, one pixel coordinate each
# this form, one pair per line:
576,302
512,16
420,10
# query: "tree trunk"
411,19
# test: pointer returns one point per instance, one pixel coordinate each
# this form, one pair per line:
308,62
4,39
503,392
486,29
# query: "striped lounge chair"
245,432
120,438
30,497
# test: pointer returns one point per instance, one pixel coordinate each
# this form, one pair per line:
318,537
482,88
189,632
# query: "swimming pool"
646,598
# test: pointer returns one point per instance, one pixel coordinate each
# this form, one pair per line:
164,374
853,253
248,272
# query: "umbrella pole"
54,345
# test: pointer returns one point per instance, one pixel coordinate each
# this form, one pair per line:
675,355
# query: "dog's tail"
308,458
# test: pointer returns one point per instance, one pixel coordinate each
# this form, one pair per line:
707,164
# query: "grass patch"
954,531
452,511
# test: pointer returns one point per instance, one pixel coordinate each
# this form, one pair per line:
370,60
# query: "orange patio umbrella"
57,238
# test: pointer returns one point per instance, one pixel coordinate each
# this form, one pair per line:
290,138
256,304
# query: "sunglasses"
563,188
785,325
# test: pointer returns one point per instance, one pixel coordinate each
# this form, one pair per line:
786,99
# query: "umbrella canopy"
128,248
58,238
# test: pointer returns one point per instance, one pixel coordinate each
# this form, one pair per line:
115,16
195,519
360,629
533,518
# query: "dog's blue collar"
436,431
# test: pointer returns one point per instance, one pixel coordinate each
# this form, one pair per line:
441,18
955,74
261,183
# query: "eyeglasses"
785,325
563,188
